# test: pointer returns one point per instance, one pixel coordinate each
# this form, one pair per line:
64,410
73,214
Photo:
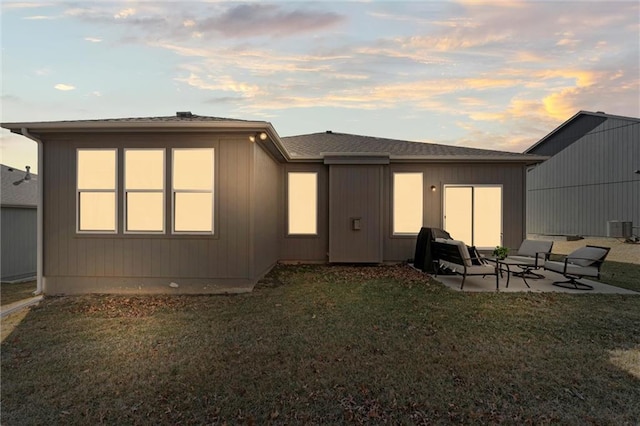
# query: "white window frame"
393,204
473,186
301,234
114,191
212,191
148,191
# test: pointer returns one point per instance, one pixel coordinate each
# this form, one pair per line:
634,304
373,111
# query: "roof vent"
184,114
600,112
329,132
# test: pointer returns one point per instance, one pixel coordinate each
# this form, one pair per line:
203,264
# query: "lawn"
318,344
12,292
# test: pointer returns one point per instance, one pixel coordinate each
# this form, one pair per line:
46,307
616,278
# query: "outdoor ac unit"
618,229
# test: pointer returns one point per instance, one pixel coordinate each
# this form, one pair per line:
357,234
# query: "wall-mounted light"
262,136
433,188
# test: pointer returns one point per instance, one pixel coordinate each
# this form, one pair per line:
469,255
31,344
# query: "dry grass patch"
318,345
13,292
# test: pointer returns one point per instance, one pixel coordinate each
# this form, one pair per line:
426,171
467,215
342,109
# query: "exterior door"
355,213
473,214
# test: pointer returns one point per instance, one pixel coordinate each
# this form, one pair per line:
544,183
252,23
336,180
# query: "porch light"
433,188
262,136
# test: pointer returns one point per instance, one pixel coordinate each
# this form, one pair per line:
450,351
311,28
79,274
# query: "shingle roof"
179,117
25,194
314,145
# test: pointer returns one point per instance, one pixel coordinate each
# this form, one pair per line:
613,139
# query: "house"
195,204
18,222
590,185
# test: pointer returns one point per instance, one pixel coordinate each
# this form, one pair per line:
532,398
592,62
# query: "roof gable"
570,131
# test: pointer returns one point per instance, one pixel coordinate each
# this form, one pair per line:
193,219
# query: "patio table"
504,265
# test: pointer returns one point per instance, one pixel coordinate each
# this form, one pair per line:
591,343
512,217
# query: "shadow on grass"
317,344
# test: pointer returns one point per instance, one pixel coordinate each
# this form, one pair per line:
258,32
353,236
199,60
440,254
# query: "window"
407,203
192,190
302,200
144,190
96,190
473,214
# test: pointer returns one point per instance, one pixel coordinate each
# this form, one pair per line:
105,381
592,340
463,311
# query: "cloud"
254,19
39,17
125,13
64,87
93,39
24,5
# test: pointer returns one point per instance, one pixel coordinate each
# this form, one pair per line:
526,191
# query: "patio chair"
530,256
583,262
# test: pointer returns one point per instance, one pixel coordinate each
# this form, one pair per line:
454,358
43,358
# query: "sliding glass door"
473,214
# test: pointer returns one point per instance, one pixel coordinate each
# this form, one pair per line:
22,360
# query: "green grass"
625,275
318,345
13,292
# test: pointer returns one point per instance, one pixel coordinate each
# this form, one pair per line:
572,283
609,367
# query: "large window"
473,214
302,203
407,203
144,190
192,190
96,190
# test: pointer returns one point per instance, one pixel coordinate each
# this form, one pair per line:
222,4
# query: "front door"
355,213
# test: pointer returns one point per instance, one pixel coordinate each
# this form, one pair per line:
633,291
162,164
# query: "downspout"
39,212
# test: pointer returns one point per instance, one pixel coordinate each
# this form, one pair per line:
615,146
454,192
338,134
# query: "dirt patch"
620,251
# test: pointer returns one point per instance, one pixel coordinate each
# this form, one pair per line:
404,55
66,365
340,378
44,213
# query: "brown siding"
305,248
223,257
265,201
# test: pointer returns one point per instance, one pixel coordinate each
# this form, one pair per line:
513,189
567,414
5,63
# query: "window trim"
288,215
473,186
212,191
393,206
126,191
114,191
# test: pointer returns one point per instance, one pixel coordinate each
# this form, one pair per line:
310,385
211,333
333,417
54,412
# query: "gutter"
40,214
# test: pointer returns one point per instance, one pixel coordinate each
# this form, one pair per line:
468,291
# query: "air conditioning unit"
618,229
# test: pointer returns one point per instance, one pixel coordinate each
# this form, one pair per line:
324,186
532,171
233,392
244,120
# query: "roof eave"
39,128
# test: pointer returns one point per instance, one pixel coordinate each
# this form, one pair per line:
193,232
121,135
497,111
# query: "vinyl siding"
511,177
399,248
588,183
305,247
355,192
19,242
265,201
154,258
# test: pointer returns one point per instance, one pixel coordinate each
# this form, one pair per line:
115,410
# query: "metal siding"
219,258
587,184
355,191
19,242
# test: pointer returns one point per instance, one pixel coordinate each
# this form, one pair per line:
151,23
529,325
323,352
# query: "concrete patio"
516,284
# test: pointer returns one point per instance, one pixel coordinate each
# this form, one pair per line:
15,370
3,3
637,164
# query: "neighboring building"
591,179
209,205
18,222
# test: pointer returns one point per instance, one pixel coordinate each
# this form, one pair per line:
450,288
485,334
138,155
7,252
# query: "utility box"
619,229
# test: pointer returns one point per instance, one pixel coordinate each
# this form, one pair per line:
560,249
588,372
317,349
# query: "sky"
487,74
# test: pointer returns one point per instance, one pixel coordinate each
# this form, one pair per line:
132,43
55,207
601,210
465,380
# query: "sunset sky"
497,75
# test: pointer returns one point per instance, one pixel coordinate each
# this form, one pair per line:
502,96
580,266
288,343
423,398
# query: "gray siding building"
591,179
18,221
193,204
